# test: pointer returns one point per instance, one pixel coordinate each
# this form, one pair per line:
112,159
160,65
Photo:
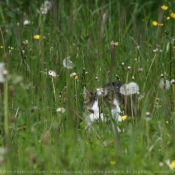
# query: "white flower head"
52,73
26,22
67,63
3,72
73,74
61,110
164,84
114,43
47,5
129,89
43,10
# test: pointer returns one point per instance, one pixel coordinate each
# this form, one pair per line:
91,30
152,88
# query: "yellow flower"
168,18
112,162
164,7
37,37
173,164
154,23
1,47
172,15
76,77
124,117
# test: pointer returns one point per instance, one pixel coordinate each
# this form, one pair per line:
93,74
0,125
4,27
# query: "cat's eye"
91,111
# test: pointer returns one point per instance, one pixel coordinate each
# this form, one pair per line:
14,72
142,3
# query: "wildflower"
129,67
154,23
112,162
25,43
26,22
164,84
173,164
52,73
3,72
172,15
140,70
37,37
164,7
1,47
168,18
114,43
124,117
74,75
148,117
157,50
47,5
43,10
60,110
67,63
173,81
129,89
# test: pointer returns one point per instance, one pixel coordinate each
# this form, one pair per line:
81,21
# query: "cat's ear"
86,94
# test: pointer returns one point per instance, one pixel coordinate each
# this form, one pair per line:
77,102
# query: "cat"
119,97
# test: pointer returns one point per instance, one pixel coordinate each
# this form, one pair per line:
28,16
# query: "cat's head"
91,106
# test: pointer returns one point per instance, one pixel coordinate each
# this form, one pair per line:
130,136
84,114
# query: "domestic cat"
118,97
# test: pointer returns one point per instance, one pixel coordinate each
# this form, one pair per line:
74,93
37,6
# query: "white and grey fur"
110,97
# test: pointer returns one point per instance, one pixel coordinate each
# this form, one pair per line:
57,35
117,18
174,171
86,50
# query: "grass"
35,137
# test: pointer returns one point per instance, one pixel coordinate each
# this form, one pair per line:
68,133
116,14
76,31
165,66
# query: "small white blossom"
26,22
47,5
61,110
52,73
114,43
129,89
67,63
3,72
164,84
73,74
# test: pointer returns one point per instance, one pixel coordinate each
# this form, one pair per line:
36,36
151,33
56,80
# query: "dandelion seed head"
173,81
129,89
3,72
52,73
140,70
129,68
164,84
61,110
73,74
47,5
67,63
26,22
114,43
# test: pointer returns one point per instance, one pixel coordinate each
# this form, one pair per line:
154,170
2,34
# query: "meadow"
50,50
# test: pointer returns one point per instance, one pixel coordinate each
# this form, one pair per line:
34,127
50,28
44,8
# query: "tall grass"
47,140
